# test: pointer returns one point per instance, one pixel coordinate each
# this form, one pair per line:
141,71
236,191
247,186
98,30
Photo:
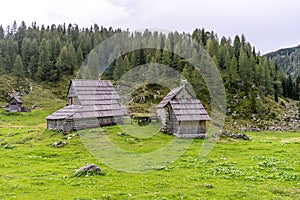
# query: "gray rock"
255,129
243,129
88,169
271,128
59,144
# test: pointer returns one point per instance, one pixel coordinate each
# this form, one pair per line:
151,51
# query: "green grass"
266,167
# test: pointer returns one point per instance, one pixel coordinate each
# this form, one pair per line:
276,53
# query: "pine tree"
55,44
166,57
133,60
237,46
93,64
18,69
245,70
72,58
63,61
44,64
118,69
11,50
233,73
212,47
126,64
26,52
79,56
86,73
187,72
1,32
32,67
157,56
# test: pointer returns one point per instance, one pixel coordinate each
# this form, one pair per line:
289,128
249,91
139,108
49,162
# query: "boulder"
59,144
243,129
88,170
271,128
236,136
255,129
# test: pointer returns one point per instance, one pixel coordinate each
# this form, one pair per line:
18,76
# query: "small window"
13,104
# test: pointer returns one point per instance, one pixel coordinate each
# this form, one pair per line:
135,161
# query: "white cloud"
267,24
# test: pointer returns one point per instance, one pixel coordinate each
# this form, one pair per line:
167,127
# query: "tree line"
47,53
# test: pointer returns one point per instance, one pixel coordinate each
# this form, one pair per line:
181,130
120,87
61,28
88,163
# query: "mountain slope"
287,59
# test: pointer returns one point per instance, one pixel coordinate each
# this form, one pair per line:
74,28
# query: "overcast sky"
267,24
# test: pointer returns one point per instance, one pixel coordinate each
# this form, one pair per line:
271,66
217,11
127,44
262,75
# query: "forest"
48,53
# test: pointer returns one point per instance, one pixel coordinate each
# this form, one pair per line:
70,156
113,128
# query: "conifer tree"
245,70
79,57
44,64
118,69
18,69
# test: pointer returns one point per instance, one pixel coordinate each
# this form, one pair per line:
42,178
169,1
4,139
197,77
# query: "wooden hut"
182,114
92,103
15,104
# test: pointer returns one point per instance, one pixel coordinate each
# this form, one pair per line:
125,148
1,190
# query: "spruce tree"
233,72
44,64
118,69
18,69
245,70
79,57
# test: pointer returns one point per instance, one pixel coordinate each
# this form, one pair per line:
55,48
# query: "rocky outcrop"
286,120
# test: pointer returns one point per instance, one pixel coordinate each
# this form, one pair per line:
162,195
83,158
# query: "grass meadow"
265,167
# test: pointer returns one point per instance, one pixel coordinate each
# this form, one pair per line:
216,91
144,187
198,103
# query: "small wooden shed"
92,103
15,104
182,114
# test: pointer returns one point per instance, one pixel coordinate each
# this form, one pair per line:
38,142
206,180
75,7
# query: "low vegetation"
265,167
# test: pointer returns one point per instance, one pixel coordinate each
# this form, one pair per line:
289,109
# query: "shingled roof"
189,109
65,112
96,98
169,97
17,98
93,92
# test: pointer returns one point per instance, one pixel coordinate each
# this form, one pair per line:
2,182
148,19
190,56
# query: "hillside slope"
287,59
34,95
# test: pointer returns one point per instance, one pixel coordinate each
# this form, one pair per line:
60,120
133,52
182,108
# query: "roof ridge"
169,96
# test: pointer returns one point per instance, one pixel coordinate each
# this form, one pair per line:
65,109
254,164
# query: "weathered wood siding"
192,129
183,114
162,114
92,103
174,124
56,124
202,129
14,106
78,124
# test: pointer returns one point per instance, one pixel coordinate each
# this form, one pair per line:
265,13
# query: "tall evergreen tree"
233,73
44,64
18,69
237,46
2,33
79,57
245,70
118,69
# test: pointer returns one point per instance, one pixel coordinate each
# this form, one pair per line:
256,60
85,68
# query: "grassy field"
266,167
